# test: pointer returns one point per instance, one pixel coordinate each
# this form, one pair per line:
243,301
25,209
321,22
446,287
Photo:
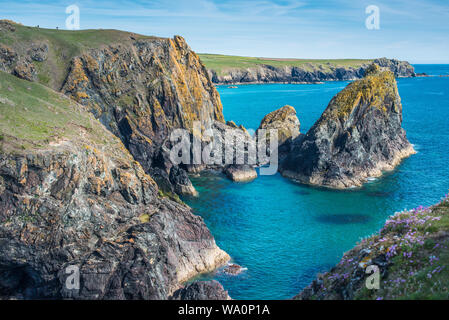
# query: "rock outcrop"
73,198
310,73
202,290
241,173
358,136
285,121
140,88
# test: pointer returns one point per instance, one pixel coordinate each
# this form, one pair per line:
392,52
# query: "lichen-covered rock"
202,290
142,91
25,70
358,136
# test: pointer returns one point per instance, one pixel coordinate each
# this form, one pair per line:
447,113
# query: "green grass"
222,63
32,115
64,45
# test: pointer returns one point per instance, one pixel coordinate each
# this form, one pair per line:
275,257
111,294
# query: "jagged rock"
7,25
25,70
80,199
179,93
310,73
237,154
181,182
231,124
399,68
358,136
8,57
202,290
285,121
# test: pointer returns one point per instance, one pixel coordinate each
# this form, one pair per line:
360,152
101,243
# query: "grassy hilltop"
63,45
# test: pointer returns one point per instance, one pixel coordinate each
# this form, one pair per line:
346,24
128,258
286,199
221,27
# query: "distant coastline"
234,70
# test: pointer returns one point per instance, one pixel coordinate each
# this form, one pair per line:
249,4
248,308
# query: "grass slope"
63,46
221,63
33,116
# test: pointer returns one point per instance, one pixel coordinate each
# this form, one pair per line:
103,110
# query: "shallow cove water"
285,233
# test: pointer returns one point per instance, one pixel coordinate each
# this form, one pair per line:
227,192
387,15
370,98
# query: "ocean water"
285,233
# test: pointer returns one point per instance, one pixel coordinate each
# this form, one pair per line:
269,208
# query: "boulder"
201,290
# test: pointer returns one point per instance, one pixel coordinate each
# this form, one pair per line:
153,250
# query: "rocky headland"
72,195
258,70
358,136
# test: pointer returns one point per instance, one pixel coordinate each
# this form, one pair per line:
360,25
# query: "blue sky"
413,30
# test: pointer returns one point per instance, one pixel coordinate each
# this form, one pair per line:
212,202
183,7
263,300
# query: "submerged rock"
358,136
233,269
202,290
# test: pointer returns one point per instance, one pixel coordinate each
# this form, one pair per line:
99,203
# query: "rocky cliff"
140,88
307,73
72,196
358,136
409,255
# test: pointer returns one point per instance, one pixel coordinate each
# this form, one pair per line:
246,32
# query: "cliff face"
140,88
358,136
72,195
410,253
143,92
311,73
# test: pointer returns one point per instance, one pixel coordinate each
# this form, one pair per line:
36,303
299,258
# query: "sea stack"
358,136
285,121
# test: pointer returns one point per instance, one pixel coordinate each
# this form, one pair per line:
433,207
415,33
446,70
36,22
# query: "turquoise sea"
285,233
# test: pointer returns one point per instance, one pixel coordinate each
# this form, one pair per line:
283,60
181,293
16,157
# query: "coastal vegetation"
411,251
